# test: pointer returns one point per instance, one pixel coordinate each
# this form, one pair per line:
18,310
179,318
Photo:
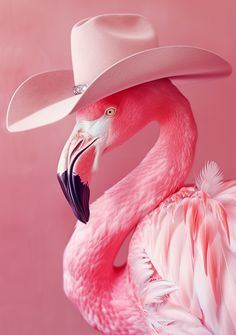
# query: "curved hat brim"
47,97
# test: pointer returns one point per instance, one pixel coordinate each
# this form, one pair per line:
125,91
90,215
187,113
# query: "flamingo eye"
110,111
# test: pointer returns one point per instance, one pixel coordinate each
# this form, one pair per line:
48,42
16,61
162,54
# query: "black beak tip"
81,217
77,194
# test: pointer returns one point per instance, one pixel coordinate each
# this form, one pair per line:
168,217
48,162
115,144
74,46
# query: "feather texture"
210,178
188,263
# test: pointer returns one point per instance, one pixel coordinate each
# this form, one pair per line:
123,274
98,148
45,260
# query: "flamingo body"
179,277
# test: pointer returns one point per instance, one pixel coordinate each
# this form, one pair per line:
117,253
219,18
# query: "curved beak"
74,170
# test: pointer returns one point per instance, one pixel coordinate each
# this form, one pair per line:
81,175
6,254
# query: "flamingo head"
100,127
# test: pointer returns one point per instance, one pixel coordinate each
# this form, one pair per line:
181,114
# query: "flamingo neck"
91,279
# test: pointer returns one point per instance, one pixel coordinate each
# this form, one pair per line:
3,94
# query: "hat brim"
47,97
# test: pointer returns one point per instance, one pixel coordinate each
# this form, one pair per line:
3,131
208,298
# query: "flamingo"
180,274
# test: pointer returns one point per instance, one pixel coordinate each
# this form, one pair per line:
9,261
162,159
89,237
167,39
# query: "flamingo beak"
74,171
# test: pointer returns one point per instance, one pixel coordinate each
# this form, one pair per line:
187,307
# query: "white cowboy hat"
110,53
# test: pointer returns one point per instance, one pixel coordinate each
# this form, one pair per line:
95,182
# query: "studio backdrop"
35,221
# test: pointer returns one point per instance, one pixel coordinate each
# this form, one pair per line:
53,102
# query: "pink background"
35,221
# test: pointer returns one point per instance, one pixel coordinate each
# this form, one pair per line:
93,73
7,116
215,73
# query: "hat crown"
99,42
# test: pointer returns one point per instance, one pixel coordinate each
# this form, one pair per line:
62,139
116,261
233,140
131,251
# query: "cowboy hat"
110,53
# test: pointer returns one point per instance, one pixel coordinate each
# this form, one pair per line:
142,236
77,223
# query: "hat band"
79,89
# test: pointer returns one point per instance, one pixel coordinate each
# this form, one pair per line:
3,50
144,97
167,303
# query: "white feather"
156,291
210,179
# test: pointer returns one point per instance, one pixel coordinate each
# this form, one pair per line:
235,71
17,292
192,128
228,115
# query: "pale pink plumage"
187,244
180,273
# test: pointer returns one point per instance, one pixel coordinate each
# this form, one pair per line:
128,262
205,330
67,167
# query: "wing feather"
183,257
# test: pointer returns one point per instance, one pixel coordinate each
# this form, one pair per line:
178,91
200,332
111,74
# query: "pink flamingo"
180,276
